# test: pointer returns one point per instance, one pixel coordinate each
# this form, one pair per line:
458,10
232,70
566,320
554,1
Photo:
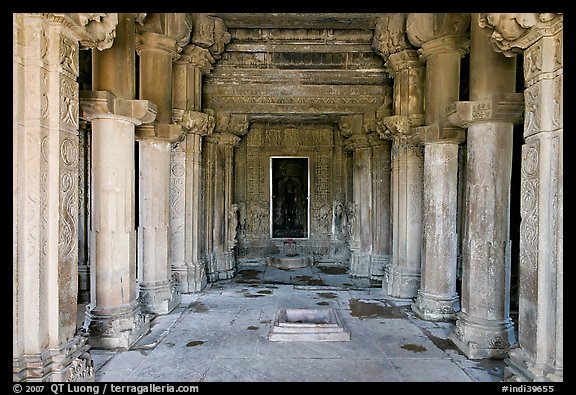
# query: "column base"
69,363
159,298
359,264
436,308
401,282
119,327
521,368
479,339
191,276
221,266
378,264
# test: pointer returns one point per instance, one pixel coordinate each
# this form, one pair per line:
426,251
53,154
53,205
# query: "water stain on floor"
348,284
198,307
249,295
362,309
443,344
265,321
317,282
332,269
323,303
264,292
327,295
413,347
250,273
194,343
252,328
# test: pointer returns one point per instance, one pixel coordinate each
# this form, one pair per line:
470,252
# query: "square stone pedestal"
308,325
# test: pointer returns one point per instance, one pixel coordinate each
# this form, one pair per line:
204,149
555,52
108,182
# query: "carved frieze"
543,108
511,33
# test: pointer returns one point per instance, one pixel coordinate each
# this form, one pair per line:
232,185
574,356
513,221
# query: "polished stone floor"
221,334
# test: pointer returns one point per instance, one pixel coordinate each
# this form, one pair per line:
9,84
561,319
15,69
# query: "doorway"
289,197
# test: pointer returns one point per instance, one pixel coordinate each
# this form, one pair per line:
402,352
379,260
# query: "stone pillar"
443,42
402,276
157,286
484,328
381,218
45,345
539,356
186,208
221,237
114,318
360,210
84,192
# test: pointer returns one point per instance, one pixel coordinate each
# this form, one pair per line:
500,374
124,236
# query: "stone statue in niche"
352,213
339,221
232,225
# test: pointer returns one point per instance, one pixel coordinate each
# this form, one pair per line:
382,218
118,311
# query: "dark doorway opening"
289,204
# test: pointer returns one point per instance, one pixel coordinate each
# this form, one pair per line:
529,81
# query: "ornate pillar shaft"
540,327
114,317
84,191
360,215
45,200
221,260
186,209
402,276
484,328
381,215
442,48
158,289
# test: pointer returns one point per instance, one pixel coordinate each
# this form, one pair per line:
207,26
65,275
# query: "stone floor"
221,334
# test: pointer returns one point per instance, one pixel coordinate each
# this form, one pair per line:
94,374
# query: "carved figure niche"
289,181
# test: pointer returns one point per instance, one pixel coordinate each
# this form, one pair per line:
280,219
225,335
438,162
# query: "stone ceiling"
301,20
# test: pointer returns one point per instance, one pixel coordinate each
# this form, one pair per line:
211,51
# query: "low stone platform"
308,325
290,262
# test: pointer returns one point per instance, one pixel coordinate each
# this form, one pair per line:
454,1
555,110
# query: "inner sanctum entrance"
289,204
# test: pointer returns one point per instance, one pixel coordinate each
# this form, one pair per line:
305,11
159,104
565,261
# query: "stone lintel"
501,108
170,132
103,104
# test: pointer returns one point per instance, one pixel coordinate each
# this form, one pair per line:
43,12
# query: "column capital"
95,29
405,59
237,124
227,139
350,124
424,27
501,108
210,32
393,127
390,35
103,104
155,41
169,132
511,33
176,25
195,122
197,57
445,44
357,141
431,134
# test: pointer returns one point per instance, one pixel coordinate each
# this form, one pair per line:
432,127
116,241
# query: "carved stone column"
159,42
114,317
484,328
540,333
45,345
360,210
442,37
221,237
402,275
186,186
84,192
381,216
